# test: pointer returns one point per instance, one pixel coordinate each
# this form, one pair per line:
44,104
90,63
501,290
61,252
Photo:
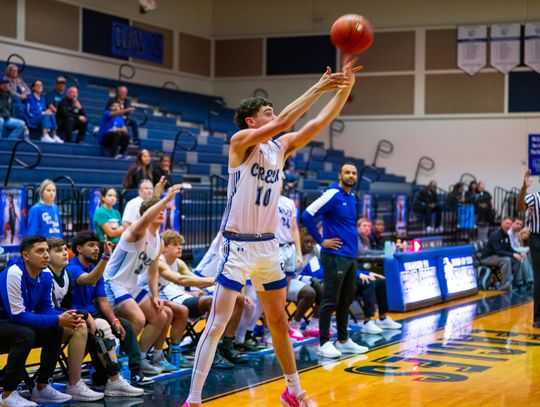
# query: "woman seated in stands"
44,217
107,220
38,116
142,169
164,170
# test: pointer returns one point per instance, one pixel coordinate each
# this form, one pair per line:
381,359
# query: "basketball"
352,34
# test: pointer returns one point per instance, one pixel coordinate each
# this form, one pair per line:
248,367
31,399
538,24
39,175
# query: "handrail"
467,175
424,163
20,162
170,83
385,147
336,127
314,157
74,80
122,75
145,116
14,55
191,148
362,177
260,92
67,178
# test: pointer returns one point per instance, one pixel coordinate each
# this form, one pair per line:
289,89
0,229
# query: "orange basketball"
352,34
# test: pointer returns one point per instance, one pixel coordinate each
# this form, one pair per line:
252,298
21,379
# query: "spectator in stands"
164,170
513,232
113,132
38,116
70,116
524,276
131,210
527,270
27,320
484,211
142,169
363,228
17,86
125,105
426,205
55,96
8,121
44,217
455,197
471,196
499,252
376,239
107,220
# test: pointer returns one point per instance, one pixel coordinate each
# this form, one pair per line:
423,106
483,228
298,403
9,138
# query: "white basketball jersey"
253,191
129,260
208,265
58,293
286,211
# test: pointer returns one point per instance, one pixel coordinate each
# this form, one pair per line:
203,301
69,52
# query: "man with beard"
337,207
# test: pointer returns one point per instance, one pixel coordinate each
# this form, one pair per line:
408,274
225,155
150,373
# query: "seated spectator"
89,295
426,205
8,121
131,210
17,86
527,271
376,239
29,320
164,170
38,116
524,276
44,217
363,227
484,211
142,169
55,96
107,220
113,132
70,116
122,99
499,252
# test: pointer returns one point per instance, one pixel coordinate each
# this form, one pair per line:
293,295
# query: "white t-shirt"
131,211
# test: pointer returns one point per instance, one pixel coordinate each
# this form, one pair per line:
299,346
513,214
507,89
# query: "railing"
336,127
466,178
385,147
260,92
504,201
315,157
20,162
189,147
22,62
424,163
122,71
170,85
140,111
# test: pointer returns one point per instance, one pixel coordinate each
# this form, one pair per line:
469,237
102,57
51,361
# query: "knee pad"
105,339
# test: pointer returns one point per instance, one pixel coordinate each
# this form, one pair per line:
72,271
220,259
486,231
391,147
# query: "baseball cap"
60,79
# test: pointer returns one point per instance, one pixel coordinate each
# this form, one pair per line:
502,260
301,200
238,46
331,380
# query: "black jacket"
499,244
67,109
6,105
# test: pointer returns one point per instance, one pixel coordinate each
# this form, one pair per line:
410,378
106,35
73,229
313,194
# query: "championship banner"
401,215
532,46
94,202
504,46
13,214
471,42
129,41
366,207
534,153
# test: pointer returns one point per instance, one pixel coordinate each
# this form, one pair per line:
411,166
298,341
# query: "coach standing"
337,207
531,202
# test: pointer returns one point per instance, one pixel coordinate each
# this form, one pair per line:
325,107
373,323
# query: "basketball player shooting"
249,249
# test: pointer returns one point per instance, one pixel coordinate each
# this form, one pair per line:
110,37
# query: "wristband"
106,257
115,320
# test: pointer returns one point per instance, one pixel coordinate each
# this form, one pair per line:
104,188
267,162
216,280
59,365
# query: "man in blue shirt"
337,207
28,320
113,132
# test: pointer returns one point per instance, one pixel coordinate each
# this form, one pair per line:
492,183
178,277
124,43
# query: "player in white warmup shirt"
138,251
250,250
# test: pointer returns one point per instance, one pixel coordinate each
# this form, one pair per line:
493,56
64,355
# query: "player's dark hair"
83,237
29,241
247,108
55,242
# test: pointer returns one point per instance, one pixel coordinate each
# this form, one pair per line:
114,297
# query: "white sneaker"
47,139
121,388
57,139
16,400
328,350
388,323
149,369
350,347
371,328
81,392
49,395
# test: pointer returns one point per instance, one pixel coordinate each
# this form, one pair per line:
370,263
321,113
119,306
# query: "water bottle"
175,355
388,249
393,248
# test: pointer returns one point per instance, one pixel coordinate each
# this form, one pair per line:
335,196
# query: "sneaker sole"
122,394
328,357
77,398
48,401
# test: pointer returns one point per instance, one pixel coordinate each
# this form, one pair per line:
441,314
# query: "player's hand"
527,181
119,329
334,244
517,256
331,81
366,278
70,320
171,193
298,261
157,303
376,276
107,246
160,187
349,69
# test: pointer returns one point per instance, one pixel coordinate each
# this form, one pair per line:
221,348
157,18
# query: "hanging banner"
472,40
366,207
401,215
532,45
504,46
13,213
171,218
94,201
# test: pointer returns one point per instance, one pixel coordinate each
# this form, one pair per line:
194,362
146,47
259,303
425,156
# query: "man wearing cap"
15,126
57,94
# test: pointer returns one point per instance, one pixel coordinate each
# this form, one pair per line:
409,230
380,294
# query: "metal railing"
189,147
316,157
424,163
22,62
20,162
122,71
384,147
336,127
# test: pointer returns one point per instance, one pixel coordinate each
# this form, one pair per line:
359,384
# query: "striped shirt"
532,201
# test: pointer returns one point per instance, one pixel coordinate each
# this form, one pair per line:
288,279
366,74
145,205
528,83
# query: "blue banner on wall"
534,154
129,41
13,213
366,207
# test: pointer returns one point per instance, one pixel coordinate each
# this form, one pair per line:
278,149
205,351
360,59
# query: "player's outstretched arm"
246,138
296,140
